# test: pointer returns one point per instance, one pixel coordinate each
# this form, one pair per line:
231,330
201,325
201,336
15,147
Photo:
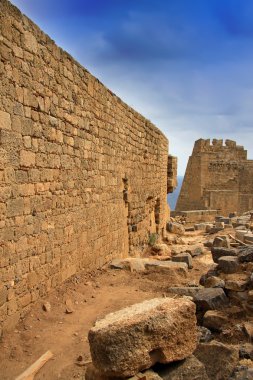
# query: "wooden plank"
35,367
238,241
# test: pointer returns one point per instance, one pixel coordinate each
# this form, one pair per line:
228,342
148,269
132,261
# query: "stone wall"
83,177
217,177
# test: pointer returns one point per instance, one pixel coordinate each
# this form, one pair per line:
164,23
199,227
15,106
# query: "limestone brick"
5,120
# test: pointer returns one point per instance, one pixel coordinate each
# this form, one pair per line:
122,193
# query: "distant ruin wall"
217,177
83,177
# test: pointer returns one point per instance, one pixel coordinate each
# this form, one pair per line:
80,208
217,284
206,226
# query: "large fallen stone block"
190,368
218,252
210,299
219,359
135,338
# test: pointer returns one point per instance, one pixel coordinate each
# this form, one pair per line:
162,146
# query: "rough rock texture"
138,264
215,320
210,299
183,258
135,338
218,252
93,374
219,359
245,255
189,369
175,228
228,264
214,282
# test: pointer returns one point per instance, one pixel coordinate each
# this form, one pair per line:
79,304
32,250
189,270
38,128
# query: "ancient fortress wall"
217,177
83,177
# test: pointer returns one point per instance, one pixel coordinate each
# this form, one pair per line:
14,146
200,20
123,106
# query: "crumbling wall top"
217,145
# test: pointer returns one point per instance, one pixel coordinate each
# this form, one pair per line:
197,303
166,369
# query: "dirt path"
66,334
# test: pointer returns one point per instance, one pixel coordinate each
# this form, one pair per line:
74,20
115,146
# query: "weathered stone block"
228,264
215,320
175,228
183,258
27,158
218,252
190,368
135,338
219,359
210,299
245,255
5,120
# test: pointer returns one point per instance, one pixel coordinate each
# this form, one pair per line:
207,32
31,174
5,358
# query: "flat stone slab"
189,291
135,338
183,258
138,264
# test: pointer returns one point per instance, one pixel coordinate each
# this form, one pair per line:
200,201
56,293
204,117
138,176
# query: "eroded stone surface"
135,338
219,359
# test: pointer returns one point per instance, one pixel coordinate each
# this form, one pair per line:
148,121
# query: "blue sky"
187,65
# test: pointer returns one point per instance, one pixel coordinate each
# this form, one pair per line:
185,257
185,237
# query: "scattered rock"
183,258
69,306
210,299
46,307
215,320
175,228
228,264
195,251
208,243
185,290
214,282
212,272
242,373
132,339
200,226
248,328
245,254
190,368
221,241
204,334
161,250
219,359
236,285
218,252
246,351
167,267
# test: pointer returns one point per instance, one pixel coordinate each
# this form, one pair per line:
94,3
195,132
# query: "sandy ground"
93,296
